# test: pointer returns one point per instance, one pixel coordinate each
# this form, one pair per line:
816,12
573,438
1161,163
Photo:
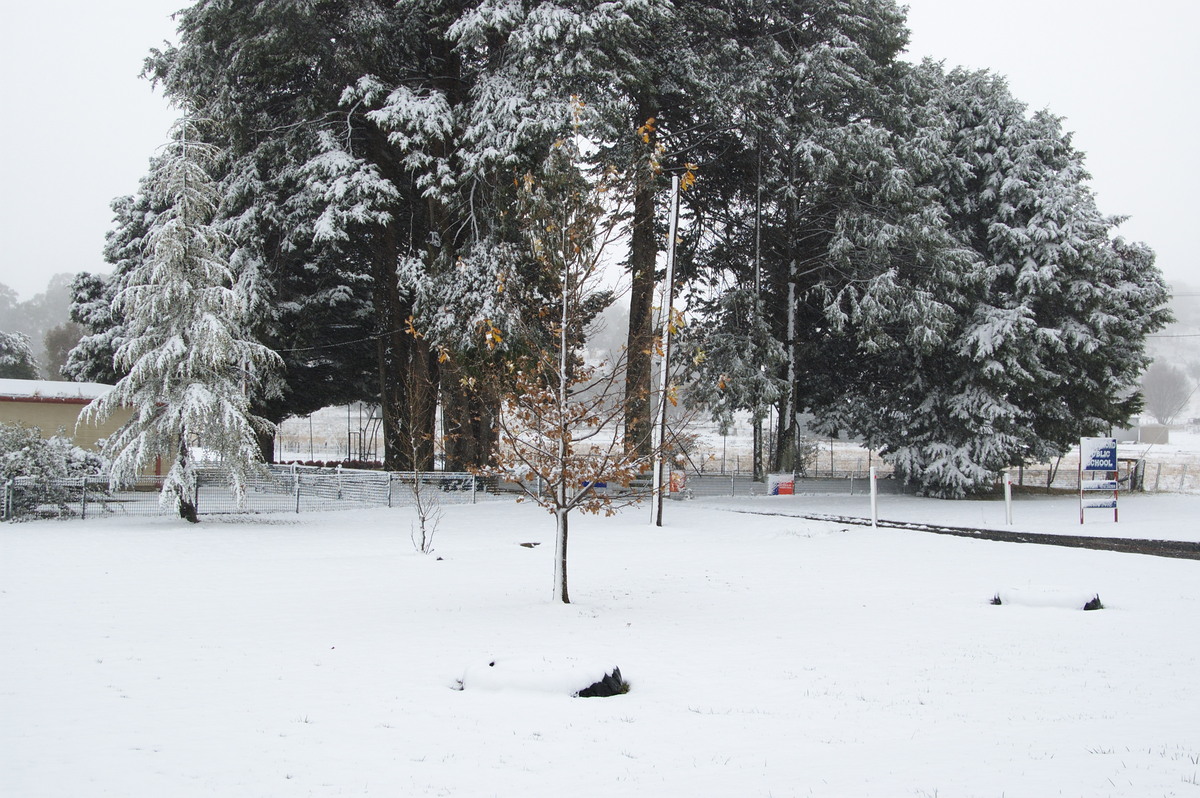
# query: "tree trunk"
419,429
643,251
186,492
266,445
393,349
468,423
560,557
784,459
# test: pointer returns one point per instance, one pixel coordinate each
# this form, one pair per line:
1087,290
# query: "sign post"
1098,456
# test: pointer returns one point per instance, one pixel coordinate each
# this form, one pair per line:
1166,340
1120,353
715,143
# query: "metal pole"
1080,485
660,431
83,498
1008,496
874,499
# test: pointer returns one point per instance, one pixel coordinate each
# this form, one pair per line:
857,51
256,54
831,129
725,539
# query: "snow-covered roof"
52,390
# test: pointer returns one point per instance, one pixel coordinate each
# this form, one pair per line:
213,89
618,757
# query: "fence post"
339,481
389,479
733,485
9,508
196,491
296,485
472,489
1183,476
83,498
1157,475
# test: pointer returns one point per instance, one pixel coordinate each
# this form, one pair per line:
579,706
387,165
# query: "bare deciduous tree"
1167,391
561,421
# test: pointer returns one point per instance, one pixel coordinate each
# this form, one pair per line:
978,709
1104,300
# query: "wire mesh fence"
277,489
298,489
77,497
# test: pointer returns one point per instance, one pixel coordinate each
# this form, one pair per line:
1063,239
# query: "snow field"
317,655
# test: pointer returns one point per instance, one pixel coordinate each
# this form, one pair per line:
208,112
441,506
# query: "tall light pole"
659,433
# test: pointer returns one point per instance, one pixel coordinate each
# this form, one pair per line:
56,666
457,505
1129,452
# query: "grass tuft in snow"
1094,604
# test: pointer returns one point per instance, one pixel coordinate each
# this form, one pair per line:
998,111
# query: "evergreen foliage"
190,370
25,453
1029,330
16,357
906,253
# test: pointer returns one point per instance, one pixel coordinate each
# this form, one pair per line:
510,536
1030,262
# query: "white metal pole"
874,499
1008,496
660,428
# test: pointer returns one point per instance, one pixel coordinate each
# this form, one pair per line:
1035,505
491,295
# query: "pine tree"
792,201
1031,332
191,371
16,357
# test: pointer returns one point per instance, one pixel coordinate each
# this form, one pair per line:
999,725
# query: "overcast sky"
80,124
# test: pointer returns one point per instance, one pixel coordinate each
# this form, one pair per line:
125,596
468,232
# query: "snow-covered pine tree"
1032,331
316,198
191,370
16,357
125,247
732,359
794,199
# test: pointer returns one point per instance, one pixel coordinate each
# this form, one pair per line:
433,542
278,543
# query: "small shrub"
1094,604
48,462
996,599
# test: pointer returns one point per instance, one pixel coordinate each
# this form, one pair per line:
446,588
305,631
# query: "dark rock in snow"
611,684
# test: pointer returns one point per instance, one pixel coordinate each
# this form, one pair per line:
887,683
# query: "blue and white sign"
1098,454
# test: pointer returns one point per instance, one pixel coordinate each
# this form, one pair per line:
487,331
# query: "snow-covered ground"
318,655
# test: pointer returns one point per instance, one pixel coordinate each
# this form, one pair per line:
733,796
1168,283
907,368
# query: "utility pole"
756,461
660,426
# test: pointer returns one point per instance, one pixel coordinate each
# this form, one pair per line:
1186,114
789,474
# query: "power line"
375,337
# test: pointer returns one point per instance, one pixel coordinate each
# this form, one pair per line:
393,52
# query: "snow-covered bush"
16,357
25,453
